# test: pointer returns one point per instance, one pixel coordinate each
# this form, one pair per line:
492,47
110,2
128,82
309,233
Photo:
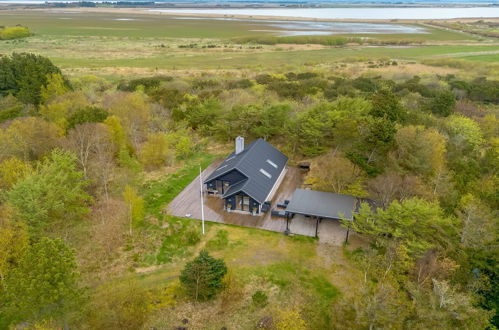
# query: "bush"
260,299
149,83
233,290
14,32
191,236
242,83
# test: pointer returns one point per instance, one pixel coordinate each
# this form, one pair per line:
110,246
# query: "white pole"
201,194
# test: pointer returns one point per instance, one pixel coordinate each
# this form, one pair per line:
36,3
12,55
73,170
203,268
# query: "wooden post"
286,232
317,228
348,231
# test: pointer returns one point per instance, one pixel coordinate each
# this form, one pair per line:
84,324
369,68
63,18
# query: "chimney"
239,144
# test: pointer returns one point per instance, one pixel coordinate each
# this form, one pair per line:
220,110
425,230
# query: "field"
118,43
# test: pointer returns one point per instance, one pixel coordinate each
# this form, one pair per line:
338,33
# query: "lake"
359,13
309,28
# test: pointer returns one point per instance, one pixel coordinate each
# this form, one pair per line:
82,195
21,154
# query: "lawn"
293,272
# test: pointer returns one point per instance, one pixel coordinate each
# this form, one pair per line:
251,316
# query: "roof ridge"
246,151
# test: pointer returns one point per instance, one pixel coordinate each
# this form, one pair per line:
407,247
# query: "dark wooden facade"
237,202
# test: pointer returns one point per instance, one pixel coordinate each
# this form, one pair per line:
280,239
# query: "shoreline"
153,11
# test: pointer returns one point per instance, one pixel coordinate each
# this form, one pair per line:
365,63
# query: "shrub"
14,32
260,299
233,290
242,83
149,83
290,320
191,236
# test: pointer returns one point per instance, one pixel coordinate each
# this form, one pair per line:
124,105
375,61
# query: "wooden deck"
187,205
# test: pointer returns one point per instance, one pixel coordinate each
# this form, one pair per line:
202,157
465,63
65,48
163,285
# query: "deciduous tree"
419,151
44,284
54,194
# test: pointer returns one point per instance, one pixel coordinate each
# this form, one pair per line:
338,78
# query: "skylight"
271,163
267,174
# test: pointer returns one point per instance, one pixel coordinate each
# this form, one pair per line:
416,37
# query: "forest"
88,163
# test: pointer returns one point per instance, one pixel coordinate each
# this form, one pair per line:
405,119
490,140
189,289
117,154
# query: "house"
248,177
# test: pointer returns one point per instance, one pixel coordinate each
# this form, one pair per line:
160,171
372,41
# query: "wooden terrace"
187,205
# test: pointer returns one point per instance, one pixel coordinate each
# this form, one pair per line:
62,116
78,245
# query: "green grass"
219,242
157,194
178,234
136,25
181,235
274,58
288,270
492,58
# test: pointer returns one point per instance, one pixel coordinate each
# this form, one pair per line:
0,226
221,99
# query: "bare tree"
391,186
94,150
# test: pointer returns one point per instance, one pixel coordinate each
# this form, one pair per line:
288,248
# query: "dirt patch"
142,270
413,69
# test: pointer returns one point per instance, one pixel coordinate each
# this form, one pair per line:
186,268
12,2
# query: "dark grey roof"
322,204
257,156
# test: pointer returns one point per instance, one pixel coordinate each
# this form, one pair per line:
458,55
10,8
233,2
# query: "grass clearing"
269,59
178,235
158,193
289,271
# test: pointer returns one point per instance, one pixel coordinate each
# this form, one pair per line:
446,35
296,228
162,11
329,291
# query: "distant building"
248,177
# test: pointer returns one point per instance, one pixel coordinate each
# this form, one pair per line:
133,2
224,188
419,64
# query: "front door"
219,187
245,206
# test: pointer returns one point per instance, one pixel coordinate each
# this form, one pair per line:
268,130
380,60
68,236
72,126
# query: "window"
271,163
267,174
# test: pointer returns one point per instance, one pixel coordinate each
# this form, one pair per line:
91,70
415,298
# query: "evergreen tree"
24,75
203,277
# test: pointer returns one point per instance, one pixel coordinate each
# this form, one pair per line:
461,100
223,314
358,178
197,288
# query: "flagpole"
201,195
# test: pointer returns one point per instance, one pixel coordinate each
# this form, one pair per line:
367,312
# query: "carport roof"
322,204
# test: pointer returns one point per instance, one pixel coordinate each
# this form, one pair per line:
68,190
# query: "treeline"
75,152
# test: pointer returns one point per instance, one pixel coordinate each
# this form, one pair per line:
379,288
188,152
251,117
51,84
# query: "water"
360,13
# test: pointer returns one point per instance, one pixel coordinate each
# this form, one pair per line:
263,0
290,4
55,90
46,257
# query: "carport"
321,205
